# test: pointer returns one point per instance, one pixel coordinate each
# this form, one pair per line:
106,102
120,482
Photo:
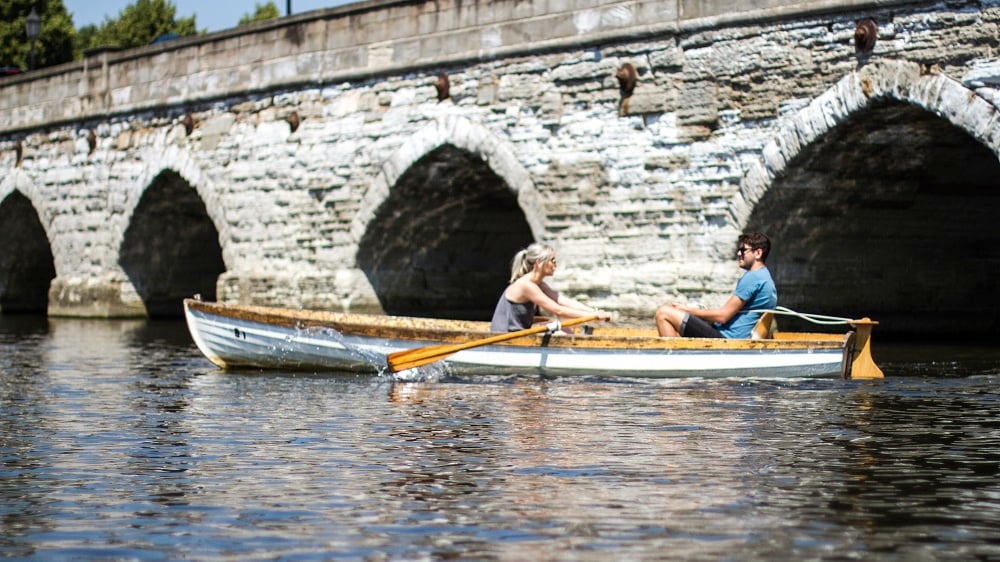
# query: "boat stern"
862,365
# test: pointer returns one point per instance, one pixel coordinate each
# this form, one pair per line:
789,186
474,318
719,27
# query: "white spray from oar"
373,356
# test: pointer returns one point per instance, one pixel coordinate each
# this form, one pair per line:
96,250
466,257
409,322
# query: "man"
734,319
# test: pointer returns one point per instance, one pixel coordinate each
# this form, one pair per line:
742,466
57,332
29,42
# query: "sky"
210,15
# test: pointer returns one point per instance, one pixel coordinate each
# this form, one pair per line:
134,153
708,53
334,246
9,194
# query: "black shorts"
694,327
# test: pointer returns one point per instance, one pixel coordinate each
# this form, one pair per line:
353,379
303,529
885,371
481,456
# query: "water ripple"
119,441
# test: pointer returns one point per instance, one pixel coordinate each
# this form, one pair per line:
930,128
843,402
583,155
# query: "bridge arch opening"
891,214
441,243
27,266
170,249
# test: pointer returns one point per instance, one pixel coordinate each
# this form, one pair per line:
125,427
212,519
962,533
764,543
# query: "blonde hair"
525,260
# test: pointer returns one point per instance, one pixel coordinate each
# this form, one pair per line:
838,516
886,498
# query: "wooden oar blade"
411,358
403,364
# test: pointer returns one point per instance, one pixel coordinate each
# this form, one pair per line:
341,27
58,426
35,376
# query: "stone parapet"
359,41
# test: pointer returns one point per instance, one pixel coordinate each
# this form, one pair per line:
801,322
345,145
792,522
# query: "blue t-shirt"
757,291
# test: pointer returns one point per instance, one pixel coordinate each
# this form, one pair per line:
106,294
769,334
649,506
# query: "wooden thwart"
411,358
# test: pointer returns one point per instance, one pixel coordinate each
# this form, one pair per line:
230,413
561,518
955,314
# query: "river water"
119,441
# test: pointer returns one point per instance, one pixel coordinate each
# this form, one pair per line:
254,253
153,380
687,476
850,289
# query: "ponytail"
519,266
524,261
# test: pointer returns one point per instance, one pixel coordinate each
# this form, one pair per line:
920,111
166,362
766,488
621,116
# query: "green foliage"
262,12
85,37
54,44
141,22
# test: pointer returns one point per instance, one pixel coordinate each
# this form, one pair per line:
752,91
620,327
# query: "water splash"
375,356
433,372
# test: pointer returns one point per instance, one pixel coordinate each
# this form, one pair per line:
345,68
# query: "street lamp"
33,25
288,8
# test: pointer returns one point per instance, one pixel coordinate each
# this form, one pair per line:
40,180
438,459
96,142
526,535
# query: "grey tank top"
512,316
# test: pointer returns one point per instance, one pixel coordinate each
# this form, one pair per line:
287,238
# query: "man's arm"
721,314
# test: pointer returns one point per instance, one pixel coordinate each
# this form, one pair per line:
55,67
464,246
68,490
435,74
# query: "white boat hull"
238,341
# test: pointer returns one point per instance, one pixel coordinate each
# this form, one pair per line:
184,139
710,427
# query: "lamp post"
33,25
288,7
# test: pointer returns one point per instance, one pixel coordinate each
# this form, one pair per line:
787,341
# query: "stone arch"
439,241
18,180
170,247
904,81
466,135
881,194
182,162
27,266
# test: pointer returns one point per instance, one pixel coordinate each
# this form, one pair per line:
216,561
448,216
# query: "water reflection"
120,441
937,360
24,402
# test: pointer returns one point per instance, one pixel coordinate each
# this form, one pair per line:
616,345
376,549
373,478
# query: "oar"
411,358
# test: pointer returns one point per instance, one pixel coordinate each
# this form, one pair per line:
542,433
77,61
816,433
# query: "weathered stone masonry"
319,168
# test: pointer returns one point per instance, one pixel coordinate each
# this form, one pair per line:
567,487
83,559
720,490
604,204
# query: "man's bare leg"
668,320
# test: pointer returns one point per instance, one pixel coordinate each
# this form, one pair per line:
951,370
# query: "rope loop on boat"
814,318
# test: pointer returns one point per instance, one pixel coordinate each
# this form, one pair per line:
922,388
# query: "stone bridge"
392,156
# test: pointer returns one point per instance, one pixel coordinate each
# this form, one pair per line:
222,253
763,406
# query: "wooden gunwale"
460,331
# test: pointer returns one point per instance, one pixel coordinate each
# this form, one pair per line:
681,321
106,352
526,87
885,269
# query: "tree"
139,23
262,12
84,39
54,44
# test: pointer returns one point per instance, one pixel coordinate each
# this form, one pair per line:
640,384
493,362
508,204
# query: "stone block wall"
643,200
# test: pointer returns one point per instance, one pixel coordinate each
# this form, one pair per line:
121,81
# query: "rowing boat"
238,337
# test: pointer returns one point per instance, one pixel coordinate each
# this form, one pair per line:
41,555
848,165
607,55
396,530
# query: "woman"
528,292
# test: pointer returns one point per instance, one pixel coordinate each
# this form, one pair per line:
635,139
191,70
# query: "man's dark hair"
756,241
